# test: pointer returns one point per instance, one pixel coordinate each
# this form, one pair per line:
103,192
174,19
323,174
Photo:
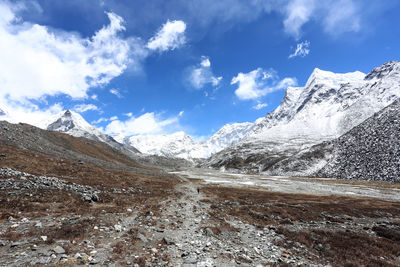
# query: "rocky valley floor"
184,221
69,201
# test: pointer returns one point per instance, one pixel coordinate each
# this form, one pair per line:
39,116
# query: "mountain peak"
332,79
391,68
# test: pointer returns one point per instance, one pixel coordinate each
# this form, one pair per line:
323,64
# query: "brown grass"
345,248
265,207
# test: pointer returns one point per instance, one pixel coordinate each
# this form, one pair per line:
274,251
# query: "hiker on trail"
198,190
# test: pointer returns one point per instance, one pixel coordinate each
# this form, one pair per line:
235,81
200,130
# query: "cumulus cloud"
85,107
302,50
56,62
148,123
202,74
16,112
260,106
116,93
258,83
169,37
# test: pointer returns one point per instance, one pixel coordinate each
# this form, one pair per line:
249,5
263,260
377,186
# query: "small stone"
118,228
15,244
38,224
95,198
209,232
168,241
94,261
142,238
59,250
129,210
44,238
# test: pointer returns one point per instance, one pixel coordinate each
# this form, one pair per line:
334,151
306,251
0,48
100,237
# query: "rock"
15,244
168,241
95,197
118,228
209,232
142,238
45,260
94,261
44,238
3,155
59,250
38,224
129,210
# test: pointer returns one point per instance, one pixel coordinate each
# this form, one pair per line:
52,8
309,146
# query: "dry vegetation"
334,229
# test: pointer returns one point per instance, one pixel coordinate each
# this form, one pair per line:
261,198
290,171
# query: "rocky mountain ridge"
181,145
325,108
74,124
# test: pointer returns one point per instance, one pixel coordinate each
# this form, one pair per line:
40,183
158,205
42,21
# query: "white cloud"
129,114
28,113
85,107
181,113
102,119
57,62
260,106
302,50
336,17
258,83
94,97
169,37
342,16
113,118
148,123
202,74
116,93
297,13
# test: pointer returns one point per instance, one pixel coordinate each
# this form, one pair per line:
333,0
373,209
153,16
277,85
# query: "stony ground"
69,201
196,225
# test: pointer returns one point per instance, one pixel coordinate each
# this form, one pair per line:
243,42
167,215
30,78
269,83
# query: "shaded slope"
370,151
27,137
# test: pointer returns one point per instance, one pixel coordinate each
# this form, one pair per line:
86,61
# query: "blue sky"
149,67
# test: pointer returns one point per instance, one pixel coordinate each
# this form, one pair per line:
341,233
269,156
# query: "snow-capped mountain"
369,151
326,107
74,124
181,145
177,144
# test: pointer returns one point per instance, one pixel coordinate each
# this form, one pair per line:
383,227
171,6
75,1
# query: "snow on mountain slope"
72,123
326,107
181,145
177,144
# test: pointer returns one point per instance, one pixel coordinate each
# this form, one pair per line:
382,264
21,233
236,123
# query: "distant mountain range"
181,145
294,139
